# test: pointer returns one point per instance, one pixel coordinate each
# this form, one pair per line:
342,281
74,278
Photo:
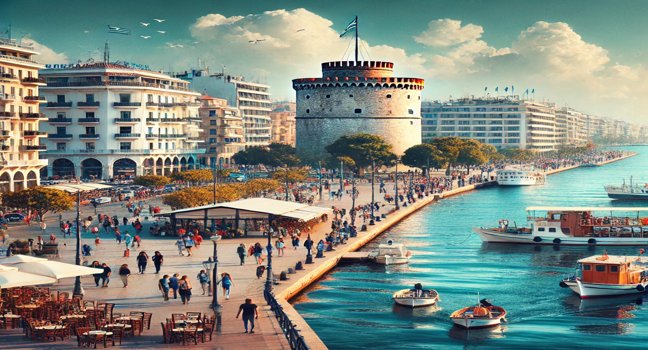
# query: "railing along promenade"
289,329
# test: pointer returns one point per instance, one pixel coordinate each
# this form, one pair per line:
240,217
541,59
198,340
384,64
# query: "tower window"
388,95
408,96
307,110
328,96
410,111
307,97
350,95
358,110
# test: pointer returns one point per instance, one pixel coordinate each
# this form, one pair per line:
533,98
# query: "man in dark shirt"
250,312
105,276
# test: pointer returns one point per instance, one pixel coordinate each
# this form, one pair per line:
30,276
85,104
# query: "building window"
60,146
307,97
410,111
61,130
90,115
212,140
408,97
212,131
124,146
124,98
125,114
90,130
90,146
358,110
307,110
388,95
59,98
212,113
328,96
60,115
212,122
600,268
350,95
89,97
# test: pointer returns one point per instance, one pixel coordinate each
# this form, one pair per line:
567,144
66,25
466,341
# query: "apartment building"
222,132
283,123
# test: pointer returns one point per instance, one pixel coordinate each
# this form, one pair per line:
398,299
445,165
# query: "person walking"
128,239
174,283
250,313
43,227
308,244
280,245
124,272
164,287
105,275
241,253
258,251
226,284
181,246
125,221
295,241
185,289
142,261
189,243
158,259
203,278
97,276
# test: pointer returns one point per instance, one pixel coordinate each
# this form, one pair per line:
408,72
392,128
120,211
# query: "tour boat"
518,177
479,316
391,253
628,192
574,226
416,297
609,275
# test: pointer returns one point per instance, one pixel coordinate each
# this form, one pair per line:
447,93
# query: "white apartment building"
250,98
502,122
107,120
222,133
570,127
19,116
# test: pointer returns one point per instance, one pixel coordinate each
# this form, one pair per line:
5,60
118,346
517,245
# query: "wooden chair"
109,310
166,336
89,303
82,340
208,329
189,335
178,317
147,320
118,334
137,326
194,315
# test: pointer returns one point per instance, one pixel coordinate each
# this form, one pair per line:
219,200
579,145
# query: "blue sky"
585,54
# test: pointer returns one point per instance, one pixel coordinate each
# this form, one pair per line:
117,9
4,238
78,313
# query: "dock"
356,257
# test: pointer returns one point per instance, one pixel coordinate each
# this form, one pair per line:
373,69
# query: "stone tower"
357,97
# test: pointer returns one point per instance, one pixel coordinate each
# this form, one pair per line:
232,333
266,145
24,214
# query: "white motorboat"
416,297
480,316
391,253
574,226
518,177
608,275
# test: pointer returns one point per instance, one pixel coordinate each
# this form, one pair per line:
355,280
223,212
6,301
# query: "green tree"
363,149
152,180
420,156
450,148
294,175
44,200
281,154
196,176
254,155
471,154
189,197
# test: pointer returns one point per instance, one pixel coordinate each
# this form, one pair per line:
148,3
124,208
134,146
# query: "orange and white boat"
609,275
482,315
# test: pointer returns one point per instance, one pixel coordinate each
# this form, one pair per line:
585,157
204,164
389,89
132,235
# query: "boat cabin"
611,269
391,248
582,222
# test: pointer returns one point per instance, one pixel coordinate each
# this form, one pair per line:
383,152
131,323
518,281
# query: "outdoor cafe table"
95,334
131,321
11,319
67,317
191,321
28,306
48,327
187,330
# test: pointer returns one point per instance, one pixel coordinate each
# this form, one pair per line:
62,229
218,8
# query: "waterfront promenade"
142,293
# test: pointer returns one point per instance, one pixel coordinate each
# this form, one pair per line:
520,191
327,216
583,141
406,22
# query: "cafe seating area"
188,328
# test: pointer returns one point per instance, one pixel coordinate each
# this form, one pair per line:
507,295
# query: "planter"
50,248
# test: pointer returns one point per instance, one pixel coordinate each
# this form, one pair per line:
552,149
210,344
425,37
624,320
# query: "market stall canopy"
56,269
10,277
79,187
19,258
251,208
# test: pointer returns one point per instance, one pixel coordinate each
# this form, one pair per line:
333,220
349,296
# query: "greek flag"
118,30
352,25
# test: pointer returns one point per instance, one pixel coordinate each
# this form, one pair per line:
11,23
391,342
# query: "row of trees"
41,199
192,177
203,195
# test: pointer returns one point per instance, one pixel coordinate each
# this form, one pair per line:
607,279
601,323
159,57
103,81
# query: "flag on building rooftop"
118,30
352,25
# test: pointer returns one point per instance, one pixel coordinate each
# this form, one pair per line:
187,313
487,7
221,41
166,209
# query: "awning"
76,187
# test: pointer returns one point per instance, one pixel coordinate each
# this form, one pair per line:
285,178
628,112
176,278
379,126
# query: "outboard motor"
485,303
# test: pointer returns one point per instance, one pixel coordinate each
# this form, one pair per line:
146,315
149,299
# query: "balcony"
58,104
127,120
5,148
7,115
6,98
127,104
172,136
33,133
34,81
171,120
59,136
88,104
127,136
152,120
34,99
166,105
89,120
5,134
7,76
33,148
33,116
59,121
152,104
88,136
152,136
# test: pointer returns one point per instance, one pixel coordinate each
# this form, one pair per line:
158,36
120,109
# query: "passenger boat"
484,314
518,177
416,297
608,275
628,192
391,253
574,226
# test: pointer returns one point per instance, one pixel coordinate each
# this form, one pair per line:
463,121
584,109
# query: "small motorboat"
482,315
391,253
416,297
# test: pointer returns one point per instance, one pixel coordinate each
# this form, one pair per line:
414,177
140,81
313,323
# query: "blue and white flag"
506,89
118,30
486,88
497,89
533,91
352,25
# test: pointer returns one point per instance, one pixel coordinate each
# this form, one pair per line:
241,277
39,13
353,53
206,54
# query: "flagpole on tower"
356,41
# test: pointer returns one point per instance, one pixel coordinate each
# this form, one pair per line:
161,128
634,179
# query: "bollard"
384,216
299,266
378,218
363,228
283,276
309,259
291,270
371,223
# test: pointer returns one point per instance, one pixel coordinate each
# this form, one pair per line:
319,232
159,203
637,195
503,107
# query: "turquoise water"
351,308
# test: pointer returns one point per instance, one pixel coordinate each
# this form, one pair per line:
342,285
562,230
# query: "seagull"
301,30
86,31
256,41
144,24
159,20
161,31
145,36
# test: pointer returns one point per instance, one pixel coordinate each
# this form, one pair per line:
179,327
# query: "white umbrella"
11,278
56,269
18,258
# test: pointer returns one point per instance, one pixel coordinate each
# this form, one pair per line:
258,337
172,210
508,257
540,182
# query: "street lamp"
319,165
353,197
286,177
78,290
213,266
396,186
373,171
268,284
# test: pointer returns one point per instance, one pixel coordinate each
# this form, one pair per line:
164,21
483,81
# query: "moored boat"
518,177
628,192
391,253
416,297
574,226
481,315
608,275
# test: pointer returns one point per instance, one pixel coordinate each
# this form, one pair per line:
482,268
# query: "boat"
628,192
416,297
482,315
519,177
391,253
574,226
608,275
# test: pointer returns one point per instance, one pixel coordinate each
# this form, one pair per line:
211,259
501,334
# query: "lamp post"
286,177
342,177
215,178
78,290
373,171
268,284
213,266
319,165
428,174
353,196
396,185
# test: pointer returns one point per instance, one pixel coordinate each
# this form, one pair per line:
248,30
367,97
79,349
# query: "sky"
587,54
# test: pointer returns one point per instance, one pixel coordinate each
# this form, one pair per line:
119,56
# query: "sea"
351,307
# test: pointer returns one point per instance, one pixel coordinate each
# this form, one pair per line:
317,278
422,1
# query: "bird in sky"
161,31
256,41
301,30
175,45
86,31
159,20
145,36
144,24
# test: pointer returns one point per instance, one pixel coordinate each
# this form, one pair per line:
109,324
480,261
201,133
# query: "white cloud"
46,55
448,32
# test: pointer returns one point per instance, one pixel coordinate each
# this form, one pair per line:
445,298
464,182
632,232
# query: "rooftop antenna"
356,41
106,53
